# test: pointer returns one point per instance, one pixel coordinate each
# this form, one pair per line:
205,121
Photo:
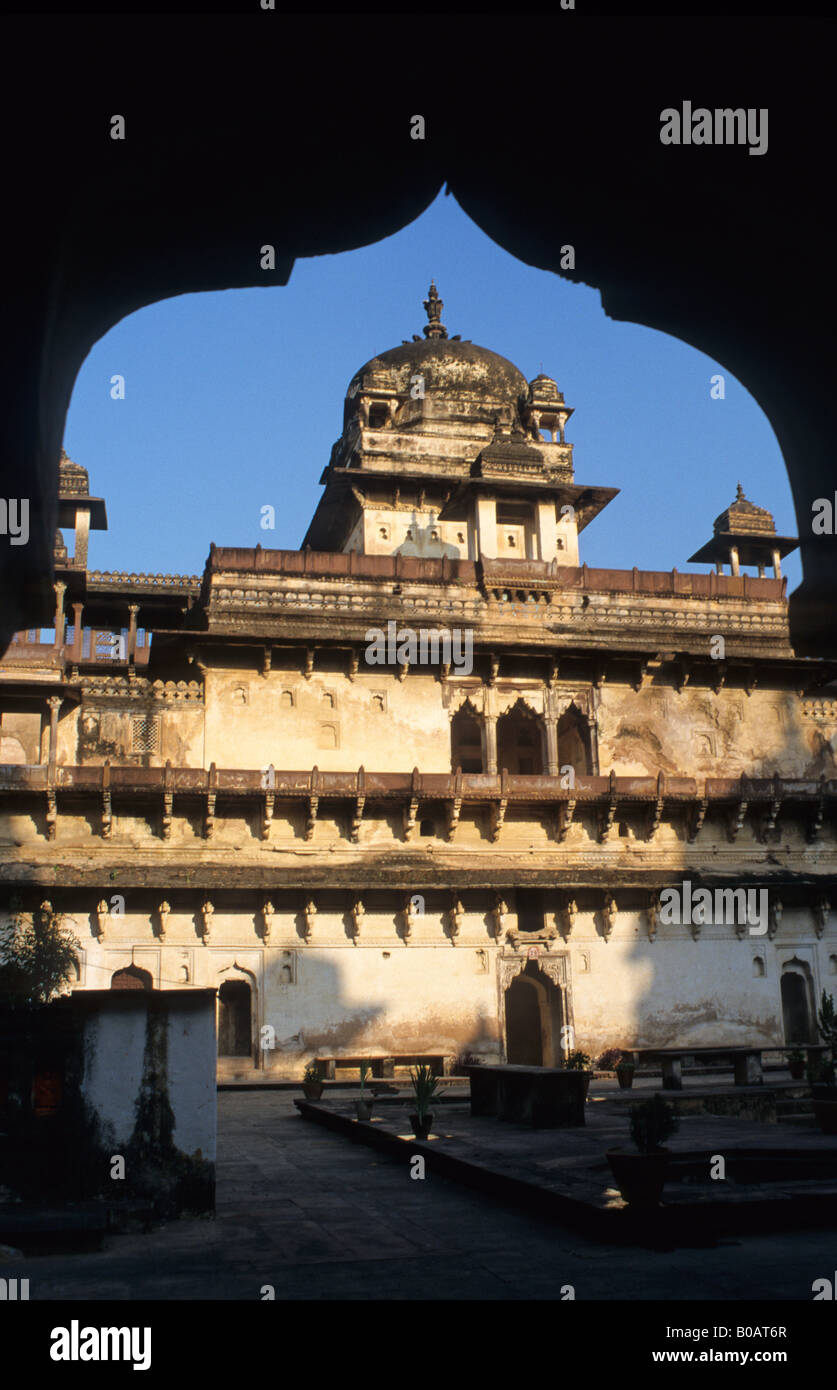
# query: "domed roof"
447,364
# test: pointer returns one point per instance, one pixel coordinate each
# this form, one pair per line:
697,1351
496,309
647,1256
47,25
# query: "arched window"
574,742
132,977
466,740
519,742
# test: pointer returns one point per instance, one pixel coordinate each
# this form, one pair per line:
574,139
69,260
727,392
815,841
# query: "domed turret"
448,450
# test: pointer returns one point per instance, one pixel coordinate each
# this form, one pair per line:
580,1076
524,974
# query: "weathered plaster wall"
430,996
700,733
375,720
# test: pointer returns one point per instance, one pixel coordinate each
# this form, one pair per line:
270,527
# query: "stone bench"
382,1066
544,1097
746,1061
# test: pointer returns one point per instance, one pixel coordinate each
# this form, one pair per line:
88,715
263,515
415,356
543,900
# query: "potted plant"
796,1064
424,1089
579,1061
363,1106
312,1081
625,1069
609,1059
641,1176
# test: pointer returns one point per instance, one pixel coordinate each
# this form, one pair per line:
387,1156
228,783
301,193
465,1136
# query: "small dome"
448,366
744,518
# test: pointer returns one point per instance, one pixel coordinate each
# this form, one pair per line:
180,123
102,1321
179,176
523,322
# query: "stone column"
733,559
82,535
133,609
54,702
551,746
60,589
777,564
489,742
78,610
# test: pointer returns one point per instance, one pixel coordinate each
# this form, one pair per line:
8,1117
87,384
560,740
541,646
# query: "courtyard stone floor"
317,1217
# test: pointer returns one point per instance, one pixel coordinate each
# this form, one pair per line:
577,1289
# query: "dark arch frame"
186,202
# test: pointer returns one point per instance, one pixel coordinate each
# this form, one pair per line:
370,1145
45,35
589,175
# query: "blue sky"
234,399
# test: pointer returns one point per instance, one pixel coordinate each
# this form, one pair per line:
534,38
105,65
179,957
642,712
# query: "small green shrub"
313,1074
652,1122
577,1061
610,1059
424,1087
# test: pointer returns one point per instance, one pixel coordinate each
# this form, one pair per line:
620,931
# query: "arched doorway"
797,1013
533,1019
132,977
520,742
234,1019
466,740
574,742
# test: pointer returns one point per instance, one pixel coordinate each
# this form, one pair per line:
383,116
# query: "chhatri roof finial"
433,306
739,496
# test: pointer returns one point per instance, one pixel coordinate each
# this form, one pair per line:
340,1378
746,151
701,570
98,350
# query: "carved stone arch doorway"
237,1013
798,1014
535,1010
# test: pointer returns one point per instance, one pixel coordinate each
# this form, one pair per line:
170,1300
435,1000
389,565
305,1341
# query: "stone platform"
774,1181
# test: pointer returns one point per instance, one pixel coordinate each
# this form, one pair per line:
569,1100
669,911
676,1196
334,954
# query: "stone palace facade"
423,788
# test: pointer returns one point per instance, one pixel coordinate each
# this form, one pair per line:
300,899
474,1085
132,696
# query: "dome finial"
739,496
433,306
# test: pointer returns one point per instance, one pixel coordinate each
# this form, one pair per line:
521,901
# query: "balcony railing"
87,645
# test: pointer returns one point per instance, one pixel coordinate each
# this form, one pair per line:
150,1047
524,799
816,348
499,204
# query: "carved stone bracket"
815,826
738,815
411,811
206,914
555,967
498,810
163,911
209,818
499,912
51,813
313,804
769,823
267,919
409,917
267,814
455,806
566,811
608,916
309,915
360,802
168,800
508,968
699,816
107,808
456,915
659,805
607,817
822,908
102,915
358,914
